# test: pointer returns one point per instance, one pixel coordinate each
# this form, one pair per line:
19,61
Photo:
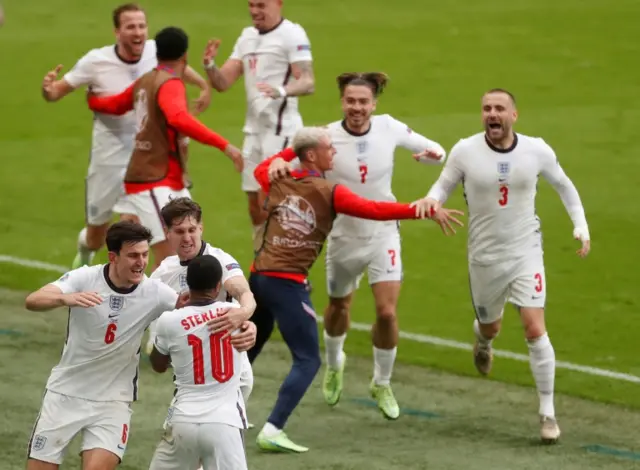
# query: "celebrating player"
108,70
91,389
301,210
365,146
499,170
183,219
274,55
206,418
156,169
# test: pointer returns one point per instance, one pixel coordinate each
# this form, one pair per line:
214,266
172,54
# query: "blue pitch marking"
604,450
10,333
407,411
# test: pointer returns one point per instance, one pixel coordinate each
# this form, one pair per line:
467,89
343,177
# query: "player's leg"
255,200
103,187
104,441
262,316
59,420
528,293
222,447
385,277
292,308
178,449
344,262
489,287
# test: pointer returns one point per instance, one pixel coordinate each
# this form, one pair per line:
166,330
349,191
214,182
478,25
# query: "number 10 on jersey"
221,358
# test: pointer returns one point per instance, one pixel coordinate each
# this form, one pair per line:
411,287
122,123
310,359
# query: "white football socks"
270,430
86,253
542,359
333,349
383,360
483,342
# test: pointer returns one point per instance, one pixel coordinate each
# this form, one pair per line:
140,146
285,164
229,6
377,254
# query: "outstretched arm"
349,203
450,177
115,104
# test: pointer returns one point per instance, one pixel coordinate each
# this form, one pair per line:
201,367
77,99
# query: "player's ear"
112,257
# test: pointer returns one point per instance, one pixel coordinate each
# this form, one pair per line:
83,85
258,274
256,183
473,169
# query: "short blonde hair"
308,138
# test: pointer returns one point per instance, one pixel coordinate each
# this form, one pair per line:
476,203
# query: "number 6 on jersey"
221,358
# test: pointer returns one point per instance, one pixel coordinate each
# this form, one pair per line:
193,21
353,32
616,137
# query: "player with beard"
106,71
499,170
366,144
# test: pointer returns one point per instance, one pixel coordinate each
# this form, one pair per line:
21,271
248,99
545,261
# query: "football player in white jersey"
183,219
274,55
364,162
108,71
499,171
91,389
207,417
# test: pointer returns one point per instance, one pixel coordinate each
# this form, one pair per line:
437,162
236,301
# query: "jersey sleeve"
298,45
161,342
167,299
73,281
452,174
230,267
551,170
82,72
235,53
409,139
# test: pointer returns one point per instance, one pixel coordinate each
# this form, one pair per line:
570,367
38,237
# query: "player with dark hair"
207,417
105,71
301,209
500,170
155,174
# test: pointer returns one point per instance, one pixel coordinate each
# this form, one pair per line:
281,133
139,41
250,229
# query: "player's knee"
386,313
95,236
533,323
490,330
339,306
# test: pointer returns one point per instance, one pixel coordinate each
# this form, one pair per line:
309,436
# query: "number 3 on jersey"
504,195
364,170
221,358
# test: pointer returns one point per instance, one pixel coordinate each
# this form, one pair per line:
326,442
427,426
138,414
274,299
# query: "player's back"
267,58
101,352
206,367
106,73
364,163
500,189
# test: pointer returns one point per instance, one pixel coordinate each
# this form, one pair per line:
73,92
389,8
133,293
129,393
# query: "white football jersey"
173,272
102,350
206,368
267,57
364,163
105,73
500,187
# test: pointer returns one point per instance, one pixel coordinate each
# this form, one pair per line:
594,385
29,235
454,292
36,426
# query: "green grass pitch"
573,67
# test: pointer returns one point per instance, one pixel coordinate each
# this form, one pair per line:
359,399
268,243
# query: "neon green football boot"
278,443
386,400
333,382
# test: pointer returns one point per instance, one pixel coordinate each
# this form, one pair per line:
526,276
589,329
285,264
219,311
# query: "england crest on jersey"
503,171
182,280
361,146
116,302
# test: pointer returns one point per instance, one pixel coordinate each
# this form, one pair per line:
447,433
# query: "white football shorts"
347,258
185,446
519,281
147,206
257,148
104,186
103,425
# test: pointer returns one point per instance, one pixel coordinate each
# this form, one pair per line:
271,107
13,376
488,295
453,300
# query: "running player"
365,144
499,170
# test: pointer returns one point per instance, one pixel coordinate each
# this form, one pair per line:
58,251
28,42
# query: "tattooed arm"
238,288
305,80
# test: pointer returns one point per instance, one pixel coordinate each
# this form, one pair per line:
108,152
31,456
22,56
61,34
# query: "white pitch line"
418,338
